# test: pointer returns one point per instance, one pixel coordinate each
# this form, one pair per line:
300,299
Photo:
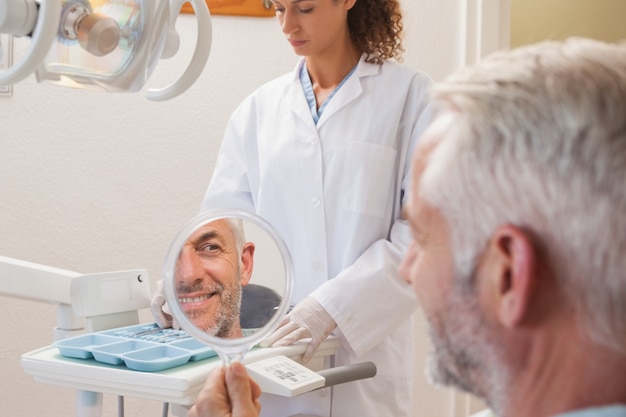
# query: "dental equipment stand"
85,303
177,386
91,303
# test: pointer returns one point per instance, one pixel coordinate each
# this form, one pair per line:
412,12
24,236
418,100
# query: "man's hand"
307,319
228,392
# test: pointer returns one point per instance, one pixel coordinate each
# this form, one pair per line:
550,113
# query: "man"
519,230
213,265
517,213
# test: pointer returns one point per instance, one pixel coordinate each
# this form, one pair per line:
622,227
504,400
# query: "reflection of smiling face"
210,272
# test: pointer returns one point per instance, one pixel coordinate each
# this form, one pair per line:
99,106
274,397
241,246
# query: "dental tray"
142,347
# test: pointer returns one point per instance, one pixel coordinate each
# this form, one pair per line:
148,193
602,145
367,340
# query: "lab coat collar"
363,69
348,92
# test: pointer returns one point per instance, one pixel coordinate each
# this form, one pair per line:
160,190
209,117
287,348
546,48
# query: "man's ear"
513,272
247,262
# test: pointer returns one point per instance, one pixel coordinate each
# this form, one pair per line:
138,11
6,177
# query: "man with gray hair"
518,217
518,214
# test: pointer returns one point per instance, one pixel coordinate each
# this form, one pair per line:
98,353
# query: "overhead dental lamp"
104,45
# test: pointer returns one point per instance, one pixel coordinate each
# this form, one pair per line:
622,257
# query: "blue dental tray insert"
142,347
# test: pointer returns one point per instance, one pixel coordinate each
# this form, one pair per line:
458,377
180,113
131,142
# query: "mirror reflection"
229,277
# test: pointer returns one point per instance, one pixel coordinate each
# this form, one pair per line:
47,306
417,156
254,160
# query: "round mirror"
228,279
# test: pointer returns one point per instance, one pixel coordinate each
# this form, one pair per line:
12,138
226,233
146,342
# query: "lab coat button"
318,266
315,201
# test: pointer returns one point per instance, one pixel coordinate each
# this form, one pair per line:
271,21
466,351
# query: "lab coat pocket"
370,175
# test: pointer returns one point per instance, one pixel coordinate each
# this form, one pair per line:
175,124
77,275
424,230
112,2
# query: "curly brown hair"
376,29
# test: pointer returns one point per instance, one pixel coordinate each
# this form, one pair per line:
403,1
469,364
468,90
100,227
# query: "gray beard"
463,356
228,314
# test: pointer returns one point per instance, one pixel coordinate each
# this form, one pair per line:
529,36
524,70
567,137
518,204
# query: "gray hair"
540,143
236,226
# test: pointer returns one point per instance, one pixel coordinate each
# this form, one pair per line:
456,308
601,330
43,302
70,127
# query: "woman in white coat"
323,154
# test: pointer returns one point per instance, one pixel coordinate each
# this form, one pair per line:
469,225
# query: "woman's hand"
307,319
228,392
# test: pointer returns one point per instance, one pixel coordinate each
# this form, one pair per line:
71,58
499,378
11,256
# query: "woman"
323,154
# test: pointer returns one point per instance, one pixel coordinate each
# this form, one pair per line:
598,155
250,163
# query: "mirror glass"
228,279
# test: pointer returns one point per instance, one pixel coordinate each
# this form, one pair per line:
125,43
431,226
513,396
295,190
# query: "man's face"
209,275
457,328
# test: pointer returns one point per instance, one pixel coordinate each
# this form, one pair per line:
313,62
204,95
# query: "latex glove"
160,310
307,319
228,392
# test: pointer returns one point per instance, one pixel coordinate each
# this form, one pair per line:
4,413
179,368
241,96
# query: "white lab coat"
333,192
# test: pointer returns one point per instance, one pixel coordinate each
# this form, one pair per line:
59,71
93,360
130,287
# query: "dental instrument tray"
141,347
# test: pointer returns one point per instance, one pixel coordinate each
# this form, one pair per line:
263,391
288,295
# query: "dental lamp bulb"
99,35
96,33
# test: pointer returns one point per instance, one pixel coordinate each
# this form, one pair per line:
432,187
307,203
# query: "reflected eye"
209,248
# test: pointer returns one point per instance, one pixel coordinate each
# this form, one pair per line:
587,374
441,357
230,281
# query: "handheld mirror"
228,278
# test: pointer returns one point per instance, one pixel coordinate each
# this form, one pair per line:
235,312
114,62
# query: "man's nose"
189,267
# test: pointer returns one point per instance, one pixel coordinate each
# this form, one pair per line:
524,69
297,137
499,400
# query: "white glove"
307,319
160,310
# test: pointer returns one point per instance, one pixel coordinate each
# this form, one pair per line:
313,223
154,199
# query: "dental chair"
258,305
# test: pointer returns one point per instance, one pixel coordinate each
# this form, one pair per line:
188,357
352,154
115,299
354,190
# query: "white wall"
95,182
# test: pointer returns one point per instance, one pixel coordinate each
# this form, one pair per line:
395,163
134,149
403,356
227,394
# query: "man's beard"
227,314
463,355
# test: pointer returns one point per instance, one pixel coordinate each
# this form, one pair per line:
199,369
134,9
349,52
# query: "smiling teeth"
193,300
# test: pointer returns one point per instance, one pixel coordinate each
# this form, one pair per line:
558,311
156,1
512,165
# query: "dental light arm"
23,17
105,300
42,283
35,282
200,56
18,17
